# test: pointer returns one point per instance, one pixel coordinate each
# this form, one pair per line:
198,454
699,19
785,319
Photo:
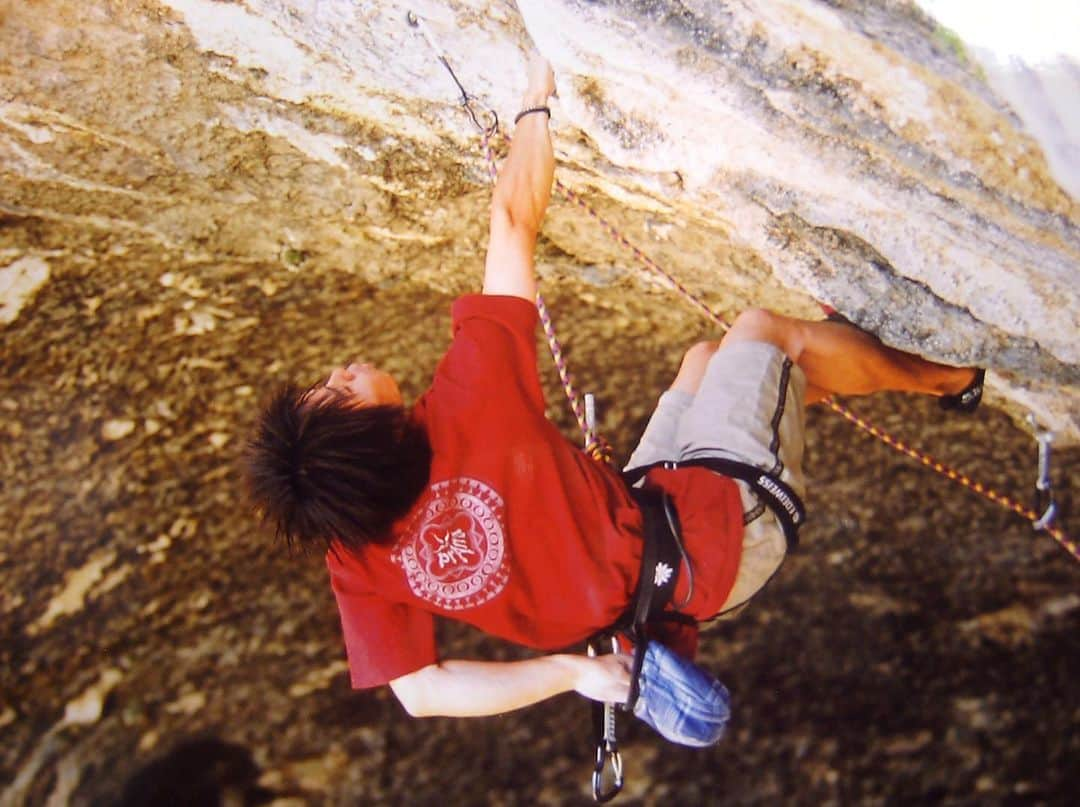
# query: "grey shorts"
750,408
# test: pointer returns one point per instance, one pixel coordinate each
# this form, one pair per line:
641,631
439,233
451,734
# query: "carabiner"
493,126
605,752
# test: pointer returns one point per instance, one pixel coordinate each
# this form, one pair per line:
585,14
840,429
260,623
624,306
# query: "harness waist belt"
776,494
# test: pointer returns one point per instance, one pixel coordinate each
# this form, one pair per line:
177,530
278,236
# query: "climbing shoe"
968,399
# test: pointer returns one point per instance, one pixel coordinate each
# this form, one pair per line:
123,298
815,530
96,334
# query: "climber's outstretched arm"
521,194
477,688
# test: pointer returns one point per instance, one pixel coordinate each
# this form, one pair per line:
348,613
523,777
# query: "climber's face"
361,384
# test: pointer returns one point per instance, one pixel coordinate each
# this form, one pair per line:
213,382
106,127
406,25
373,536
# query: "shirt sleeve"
383,640
493,349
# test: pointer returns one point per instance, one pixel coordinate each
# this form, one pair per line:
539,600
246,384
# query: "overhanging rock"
775,152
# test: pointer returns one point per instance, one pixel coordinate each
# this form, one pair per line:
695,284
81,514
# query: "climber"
471,505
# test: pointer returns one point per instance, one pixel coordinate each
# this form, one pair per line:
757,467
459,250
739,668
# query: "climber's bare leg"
841,359
692,369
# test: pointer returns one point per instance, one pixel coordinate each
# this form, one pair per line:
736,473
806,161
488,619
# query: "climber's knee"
693,366
762,325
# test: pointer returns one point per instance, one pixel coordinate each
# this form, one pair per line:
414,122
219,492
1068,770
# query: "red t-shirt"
519,533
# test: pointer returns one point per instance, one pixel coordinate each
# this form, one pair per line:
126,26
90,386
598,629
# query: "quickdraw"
467,101
1044,489
607,744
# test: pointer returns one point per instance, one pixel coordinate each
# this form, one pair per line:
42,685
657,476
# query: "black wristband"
530,110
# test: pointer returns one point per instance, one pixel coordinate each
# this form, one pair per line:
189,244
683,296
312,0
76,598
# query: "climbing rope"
599,449
987,492
649,263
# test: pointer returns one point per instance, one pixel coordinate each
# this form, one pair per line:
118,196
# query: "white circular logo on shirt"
453,552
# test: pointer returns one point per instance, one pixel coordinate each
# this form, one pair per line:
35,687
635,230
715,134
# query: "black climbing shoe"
968,399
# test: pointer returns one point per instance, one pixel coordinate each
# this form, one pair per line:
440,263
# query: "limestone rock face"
769,153
202,199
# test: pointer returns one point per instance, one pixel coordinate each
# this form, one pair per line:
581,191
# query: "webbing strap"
661,557
776,494
661,562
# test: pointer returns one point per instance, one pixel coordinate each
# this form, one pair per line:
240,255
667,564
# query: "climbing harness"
661,528
662,559
773,492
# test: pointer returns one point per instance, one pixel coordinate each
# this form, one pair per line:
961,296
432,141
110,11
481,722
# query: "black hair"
325,470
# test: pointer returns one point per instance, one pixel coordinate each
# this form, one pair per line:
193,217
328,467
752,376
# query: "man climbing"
470,505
